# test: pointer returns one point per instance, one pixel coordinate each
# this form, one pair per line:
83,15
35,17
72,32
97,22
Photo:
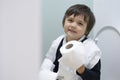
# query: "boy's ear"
86,32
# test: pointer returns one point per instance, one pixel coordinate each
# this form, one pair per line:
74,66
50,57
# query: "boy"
77,24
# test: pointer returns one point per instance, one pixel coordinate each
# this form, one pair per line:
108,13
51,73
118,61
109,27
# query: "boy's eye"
80,23
70,20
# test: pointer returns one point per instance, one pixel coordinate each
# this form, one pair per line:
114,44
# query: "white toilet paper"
73,54
47,75
45,71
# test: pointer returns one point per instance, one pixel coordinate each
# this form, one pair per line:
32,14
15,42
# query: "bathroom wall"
20,39
107,13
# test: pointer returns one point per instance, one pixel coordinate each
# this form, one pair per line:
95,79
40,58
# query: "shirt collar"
64,41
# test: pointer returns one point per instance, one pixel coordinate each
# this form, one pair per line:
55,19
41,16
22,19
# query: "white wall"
20,39
107,13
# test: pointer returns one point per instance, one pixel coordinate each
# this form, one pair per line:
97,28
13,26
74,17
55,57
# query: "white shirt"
93,52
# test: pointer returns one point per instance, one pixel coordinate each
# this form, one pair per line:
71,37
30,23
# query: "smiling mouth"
72,31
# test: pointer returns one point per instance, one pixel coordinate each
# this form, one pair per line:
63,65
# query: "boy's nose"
73,25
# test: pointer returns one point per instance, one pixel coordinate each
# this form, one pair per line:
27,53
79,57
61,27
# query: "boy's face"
75,27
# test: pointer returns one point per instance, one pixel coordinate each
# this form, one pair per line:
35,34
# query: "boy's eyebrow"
71,17
81,21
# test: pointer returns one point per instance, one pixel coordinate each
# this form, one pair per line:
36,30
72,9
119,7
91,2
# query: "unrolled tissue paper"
45,72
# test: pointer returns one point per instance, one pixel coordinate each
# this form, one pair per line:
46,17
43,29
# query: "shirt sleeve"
93,53
92,74
51,54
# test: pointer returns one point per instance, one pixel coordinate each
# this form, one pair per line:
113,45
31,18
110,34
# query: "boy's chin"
71,34
72,37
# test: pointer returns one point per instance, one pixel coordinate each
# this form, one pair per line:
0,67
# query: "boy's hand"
81,69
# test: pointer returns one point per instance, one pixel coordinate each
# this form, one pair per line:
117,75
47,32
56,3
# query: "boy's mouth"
71,30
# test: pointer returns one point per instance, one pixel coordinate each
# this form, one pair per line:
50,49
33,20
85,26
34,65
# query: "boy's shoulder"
90,43
89,40
58,39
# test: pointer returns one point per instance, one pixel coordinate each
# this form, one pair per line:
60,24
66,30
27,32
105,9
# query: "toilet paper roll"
73,54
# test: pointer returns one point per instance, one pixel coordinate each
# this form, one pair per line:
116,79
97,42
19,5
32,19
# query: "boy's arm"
90,74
